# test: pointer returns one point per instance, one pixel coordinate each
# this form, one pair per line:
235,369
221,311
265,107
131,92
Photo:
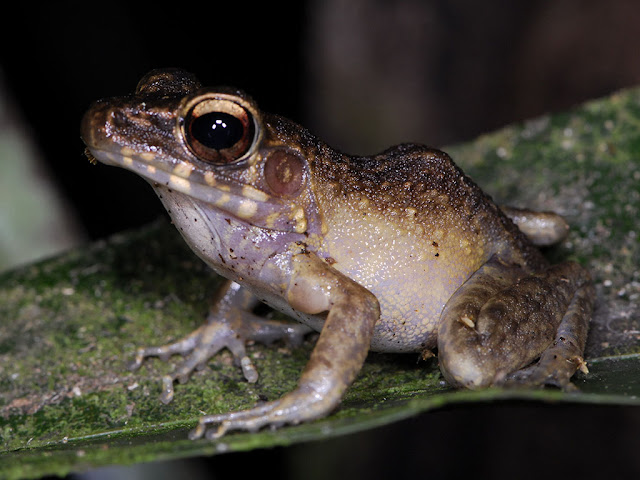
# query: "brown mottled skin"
397,252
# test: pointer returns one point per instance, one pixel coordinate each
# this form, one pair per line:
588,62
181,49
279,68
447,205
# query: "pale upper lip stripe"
230,200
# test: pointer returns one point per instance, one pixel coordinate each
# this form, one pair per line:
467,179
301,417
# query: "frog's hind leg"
230,325
565,351
503,319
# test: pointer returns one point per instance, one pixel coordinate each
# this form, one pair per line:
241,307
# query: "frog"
398,252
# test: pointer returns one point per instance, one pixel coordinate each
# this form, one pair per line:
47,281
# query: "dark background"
363,76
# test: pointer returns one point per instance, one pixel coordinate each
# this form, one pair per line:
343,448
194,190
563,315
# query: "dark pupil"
217,130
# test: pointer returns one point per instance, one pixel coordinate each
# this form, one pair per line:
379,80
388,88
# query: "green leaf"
70,325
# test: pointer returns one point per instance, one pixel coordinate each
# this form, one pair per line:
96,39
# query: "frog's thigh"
502,319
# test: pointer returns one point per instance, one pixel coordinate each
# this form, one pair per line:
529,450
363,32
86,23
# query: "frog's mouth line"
244,202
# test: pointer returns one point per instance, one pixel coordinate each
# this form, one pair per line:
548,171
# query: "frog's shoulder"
407,176
411,162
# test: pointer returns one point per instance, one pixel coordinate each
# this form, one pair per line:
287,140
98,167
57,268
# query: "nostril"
118,118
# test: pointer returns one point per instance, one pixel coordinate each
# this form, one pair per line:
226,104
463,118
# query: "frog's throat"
242,201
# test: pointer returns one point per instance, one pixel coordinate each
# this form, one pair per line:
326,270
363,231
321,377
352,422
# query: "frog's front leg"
503,319
339,353
230,324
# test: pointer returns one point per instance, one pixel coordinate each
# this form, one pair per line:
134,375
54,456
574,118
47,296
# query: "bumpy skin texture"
397,252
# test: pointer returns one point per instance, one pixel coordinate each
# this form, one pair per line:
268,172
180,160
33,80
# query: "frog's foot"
560,360
300,405
555,368
203,343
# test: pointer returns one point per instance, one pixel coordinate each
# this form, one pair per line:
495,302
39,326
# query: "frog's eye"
219,131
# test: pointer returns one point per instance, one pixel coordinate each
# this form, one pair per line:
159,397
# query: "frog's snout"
92,125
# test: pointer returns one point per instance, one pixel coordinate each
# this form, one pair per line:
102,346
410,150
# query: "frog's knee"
466,372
